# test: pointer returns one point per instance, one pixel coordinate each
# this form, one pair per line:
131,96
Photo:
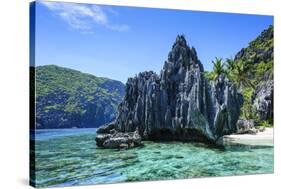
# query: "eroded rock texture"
180,104
263,100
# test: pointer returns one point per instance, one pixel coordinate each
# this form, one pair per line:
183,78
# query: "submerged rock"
180,104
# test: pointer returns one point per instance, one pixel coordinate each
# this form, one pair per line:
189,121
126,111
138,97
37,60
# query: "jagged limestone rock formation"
263,100
246,127
180,104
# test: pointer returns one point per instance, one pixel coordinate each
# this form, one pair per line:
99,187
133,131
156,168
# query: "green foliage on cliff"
69,98
251,68
259,56
247,108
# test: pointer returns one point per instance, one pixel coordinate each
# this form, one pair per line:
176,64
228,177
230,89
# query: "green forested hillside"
252,71
67,98
258,60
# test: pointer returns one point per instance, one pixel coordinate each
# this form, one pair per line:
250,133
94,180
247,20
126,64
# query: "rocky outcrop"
259,50
263,100
259,55
246,127
108,137
180,104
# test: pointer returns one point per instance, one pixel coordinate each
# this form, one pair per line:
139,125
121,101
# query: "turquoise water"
70,157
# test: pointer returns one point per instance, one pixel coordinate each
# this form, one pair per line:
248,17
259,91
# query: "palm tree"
230,64
218,68
230,67
240,74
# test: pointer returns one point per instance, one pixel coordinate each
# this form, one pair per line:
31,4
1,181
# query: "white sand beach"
261,138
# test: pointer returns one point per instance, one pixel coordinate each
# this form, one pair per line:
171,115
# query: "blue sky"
118,42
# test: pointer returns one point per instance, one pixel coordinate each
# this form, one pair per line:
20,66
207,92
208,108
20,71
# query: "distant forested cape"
66,98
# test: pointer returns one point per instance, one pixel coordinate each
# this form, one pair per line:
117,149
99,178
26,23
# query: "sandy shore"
261,138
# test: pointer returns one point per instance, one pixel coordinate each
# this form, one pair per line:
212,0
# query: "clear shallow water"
70,157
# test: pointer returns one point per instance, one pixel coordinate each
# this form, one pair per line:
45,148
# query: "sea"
70,157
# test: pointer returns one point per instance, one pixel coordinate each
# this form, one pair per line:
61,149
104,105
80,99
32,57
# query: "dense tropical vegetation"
251,70
67,98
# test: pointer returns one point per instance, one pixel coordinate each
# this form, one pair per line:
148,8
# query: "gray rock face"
263,100
118,139
180,104
108,128
246,126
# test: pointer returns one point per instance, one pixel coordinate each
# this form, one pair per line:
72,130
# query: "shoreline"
261,138
264,138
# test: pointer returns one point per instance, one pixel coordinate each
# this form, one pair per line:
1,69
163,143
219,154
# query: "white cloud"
83,17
